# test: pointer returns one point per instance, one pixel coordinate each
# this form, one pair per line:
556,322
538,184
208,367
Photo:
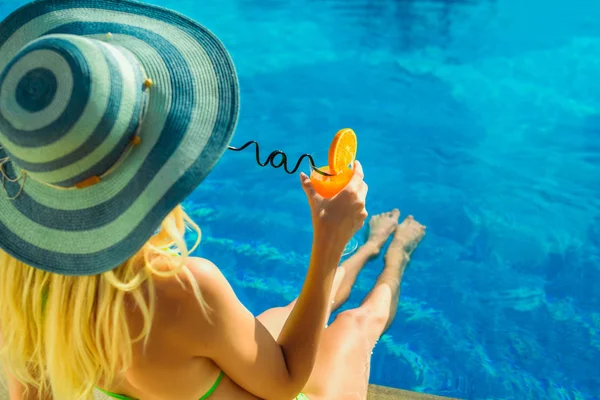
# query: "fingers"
364,189
307,185
358,171
357,182
364,215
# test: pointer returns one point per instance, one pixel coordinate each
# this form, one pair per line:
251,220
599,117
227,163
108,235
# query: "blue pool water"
482,119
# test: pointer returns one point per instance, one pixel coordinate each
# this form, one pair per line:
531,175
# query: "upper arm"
235,340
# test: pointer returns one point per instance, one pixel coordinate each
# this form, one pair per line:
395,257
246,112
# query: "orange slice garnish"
342,151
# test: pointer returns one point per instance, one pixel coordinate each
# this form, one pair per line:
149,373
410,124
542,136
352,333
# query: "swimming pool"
482,119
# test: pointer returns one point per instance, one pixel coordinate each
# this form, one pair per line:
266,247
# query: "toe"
406,221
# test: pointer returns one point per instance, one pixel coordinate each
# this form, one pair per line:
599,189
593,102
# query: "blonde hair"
65,334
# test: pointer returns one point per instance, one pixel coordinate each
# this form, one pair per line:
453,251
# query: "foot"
380,228
406,238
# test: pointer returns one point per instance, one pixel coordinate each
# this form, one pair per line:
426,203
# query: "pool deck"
375,393
386,393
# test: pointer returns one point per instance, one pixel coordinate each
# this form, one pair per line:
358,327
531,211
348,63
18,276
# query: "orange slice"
342,151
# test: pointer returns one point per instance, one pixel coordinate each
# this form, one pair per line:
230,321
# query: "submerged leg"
387,288
344,360
380,228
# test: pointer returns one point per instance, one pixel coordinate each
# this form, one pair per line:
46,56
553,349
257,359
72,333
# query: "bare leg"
380,228
343,363
407,237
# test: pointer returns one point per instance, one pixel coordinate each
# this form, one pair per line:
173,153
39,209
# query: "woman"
111,113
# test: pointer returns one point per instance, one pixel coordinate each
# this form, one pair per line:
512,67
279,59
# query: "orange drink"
341,156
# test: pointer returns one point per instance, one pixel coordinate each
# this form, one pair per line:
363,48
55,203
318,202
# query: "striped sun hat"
111,113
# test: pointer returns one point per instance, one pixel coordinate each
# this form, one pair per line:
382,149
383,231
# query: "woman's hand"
340,217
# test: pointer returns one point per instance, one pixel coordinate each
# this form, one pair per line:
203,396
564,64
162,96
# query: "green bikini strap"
123,397
214,386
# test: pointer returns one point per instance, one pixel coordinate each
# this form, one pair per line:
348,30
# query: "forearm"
301,334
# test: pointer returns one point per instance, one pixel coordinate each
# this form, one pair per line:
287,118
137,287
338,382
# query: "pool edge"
386,393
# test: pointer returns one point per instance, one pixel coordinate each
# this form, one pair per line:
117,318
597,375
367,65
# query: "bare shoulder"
201,267
215,289
208,276
205,274
199,321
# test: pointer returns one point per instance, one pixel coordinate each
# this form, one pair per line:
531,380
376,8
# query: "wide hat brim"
191,116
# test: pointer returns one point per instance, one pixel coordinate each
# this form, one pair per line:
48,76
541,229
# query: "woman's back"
117,329
165,368
154,324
